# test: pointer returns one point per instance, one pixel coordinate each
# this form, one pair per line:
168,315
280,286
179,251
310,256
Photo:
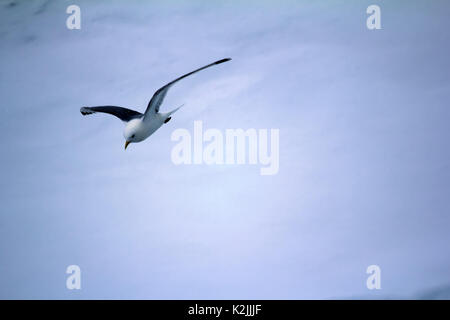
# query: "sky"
364,151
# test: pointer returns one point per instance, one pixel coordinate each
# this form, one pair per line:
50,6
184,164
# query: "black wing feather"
160,94
123,114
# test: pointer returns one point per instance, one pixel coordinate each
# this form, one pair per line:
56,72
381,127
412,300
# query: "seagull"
138,126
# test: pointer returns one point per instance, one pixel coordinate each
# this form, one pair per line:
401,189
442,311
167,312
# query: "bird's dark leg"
167,120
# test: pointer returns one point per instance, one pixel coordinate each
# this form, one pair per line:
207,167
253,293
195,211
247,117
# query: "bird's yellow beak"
126,144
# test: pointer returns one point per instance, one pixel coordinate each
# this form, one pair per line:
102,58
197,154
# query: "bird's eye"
132,136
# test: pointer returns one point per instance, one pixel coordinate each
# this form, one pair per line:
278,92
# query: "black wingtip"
85,111
222,61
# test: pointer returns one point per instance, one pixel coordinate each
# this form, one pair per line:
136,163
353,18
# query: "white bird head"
133,132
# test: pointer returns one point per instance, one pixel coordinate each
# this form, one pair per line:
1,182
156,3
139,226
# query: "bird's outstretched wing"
158,97
123,114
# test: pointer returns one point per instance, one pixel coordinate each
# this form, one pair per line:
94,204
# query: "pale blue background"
364,150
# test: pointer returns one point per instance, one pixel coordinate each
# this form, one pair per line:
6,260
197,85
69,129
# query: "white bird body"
142,129
139,126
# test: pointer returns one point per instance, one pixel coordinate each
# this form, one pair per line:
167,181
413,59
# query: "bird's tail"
174,110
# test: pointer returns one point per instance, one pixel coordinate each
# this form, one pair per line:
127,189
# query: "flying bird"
138,126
